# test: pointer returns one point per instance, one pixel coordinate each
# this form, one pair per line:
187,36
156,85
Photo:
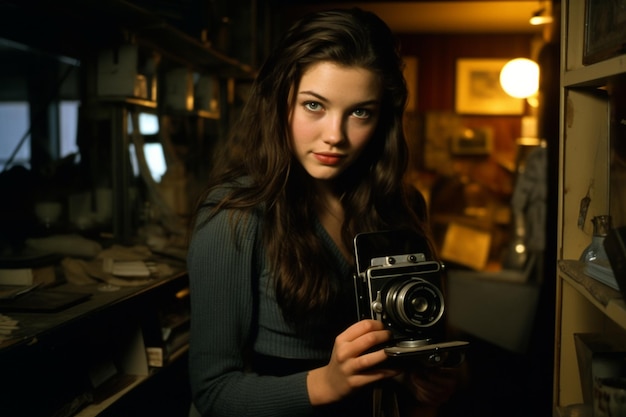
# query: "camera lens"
419,304
413,302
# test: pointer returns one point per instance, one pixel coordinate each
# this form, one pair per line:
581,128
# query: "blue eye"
313,106
362,113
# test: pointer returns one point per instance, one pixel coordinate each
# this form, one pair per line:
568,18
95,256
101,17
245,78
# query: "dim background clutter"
108,124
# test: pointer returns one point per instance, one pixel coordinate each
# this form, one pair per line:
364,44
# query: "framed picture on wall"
478,89
477,141
605,30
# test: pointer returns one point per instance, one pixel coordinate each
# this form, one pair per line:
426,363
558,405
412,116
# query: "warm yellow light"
520,78
541,17
541,20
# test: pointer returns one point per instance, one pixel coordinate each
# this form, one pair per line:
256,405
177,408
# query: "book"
27,276
28,267
8,292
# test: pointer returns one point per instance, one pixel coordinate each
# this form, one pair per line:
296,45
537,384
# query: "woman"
318,156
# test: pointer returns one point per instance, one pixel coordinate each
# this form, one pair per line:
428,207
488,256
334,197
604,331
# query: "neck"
331,215
329,203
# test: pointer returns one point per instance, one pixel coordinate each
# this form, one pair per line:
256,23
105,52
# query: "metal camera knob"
434,359
377,304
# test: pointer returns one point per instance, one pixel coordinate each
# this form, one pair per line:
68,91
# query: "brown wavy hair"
373,193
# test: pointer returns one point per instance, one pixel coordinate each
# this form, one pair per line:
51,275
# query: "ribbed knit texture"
233,309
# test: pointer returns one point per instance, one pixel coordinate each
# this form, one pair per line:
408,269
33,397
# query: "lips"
328,158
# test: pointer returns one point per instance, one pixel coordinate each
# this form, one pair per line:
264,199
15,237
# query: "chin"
325,176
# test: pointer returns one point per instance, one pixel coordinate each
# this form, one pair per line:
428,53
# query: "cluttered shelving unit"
592,65
134,58
84,356
110,352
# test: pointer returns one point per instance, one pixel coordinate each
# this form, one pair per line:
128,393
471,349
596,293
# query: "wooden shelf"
201,114
609,301
100,342
96,409
595,75
583,304
134,101
75,27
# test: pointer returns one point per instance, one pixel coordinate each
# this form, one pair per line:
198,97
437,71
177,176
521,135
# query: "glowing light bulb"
520,78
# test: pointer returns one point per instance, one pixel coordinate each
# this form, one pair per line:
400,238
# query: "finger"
360,328
362,344
367,361
368,377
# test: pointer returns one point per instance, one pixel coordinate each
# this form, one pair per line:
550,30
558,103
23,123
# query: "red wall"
437,54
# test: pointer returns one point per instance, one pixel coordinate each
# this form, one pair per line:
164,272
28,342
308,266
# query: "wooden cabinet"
583,305
99,356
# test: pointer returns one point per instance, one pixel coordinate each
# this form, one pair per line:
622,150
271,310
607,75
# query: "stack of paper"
7,326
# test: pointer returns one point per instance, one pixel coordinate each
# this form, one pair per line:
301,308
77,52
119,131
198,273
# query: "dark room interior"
111,113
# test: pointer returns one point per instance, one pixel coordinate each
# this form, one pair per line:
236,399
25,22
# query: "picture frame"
476,141
598,356
616,88
605,30
478,90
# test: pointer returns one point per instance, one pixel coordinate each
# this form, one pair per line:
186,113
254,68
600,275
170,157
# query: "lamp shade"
519,78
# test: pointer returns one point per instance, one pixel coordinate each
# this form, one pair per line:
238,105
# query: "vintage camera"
398,283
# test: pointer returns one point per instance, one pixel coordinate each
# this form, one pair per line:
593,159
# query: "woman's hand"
349,367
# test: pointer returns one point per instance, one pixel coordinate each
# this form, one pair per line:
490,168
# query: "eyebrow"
324,99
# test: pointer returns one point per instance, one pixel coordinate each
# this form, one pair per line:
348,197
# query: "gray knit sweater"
235,318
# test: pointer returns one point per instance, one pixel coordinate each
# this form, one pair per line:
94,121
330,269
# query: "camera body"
399,284
402,291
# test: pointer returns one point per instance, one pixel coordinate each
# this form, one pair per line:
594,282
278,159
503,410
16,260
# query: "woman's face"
335,113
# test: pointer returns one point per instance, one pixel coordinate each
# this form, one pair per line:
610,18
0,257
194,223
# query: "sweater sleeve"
222,272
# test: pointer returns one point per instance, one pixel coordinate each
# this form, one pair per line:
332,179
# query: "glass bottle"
595,250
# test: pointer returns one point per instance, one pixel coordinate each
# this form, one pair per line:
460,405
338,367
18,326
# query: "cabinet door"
584,166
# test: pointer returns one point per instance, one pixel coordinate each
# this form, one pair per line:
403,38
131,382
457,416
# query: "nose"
334,133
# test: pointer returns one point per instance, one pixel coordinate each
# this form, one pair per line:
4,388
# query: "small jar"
595,250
